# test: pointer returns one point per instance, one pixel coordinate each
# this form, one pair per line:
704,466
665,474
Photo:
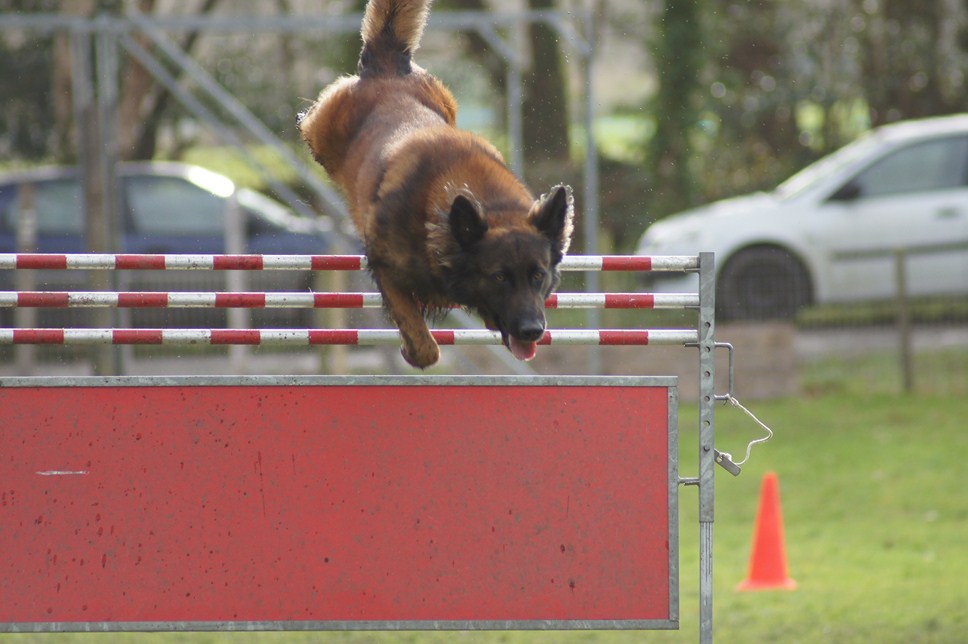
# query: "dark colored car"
165,208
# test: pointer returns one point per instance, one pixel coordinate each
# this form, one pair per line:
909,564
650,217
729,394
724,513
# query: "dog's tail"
391,33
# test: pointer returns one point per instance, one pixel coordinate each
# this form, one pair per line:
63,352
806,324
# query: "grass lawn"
876,518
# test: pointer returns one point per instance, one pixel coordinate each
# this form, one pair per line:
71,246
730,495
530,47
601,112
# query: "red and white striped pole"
176,299
132,262
310,337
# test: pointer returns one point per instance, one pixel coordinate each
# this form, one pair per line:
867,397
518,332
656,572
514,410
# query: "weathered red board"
311,503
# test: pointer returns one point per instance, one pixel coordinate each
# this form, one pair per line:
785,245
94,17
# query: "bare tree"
545,116
146,101
63,130
136,88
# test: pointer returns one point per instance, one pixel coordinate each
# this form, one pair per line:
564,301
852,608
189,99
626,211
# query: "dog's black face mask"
506,272
516,278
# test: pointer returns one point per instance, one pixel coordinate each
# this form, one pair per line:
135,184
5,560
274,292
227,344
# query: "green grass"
938,371
875,516
923,310
874,529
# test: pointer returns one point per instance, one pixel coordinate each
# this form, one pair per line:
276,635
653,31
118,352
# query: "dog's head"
506,267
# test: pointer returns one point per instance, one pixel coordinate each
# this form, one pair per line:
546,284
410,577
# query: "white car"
831,232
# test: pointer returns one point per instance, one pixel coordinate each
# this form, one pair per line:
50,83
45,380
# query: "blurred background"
116,116
169,126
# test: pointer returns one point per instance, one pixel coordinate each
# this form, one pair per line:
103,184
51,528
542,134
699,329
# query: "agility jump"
314,337
347,502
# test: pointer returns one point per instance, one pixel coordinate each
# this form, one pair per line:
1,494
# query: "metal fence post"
590,193
89,154
25,356
110,360
707,459
903,320
236,281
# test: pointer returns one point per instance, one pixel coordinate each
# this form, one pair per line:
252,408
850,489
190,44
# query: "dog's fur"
443,220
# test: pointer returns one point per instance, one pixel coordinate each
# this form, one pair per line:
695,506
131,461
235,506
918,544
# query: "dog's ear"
553,214
467,225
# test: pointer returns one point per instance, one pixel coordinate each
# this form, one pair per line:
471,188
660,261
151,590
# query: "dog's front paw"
422,356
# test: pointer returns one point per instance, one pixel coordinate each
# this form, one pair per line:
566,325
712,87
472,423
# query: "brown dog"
443,220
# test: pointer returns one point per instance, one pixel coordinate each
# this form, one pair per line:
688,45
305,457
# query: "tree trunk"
136,84
545,117
61,91
678,58
151,103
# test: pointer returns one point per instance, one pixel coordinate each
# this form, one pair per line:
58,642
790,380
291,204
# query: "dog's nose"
531,332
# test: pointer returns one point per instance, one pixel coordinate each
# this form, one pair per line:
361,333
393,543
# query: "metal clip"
726,461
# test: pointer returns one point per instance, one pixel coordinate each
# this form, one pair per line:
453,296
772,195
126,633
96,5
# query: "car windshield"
57,203
163,205
269,210
274,215
825,167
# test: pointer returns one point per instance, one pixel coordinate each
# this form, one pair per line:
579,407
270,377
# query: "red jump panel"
167,504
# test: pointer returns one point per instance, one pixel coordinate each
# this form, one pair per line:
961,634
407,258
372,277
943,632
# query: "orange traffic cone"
768,566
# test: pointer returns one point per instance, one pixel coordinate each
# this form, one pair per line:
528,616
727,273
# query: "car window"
58,204
829,166
173,206
932,165
8,207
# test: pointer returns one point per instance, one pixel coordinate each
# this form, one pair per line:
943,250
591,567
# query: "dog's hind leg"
419,347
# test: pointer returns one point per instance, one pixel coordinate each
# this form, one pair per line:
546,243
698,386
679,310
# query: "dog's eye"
538,276
499,277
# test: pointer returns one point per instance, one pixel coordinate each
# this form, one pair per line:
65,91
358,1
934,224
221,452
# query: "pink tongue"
523,350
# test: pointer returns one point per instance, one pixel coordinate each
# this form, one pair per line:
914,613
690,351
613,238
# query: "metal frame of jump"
702,338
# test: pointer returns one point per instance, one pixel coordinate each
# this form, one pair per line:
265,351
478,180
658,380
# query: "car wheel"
764,283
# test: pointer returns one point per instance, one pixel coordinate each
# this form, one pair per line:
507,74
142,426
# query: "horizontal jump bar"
89,261
139,299
306,337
